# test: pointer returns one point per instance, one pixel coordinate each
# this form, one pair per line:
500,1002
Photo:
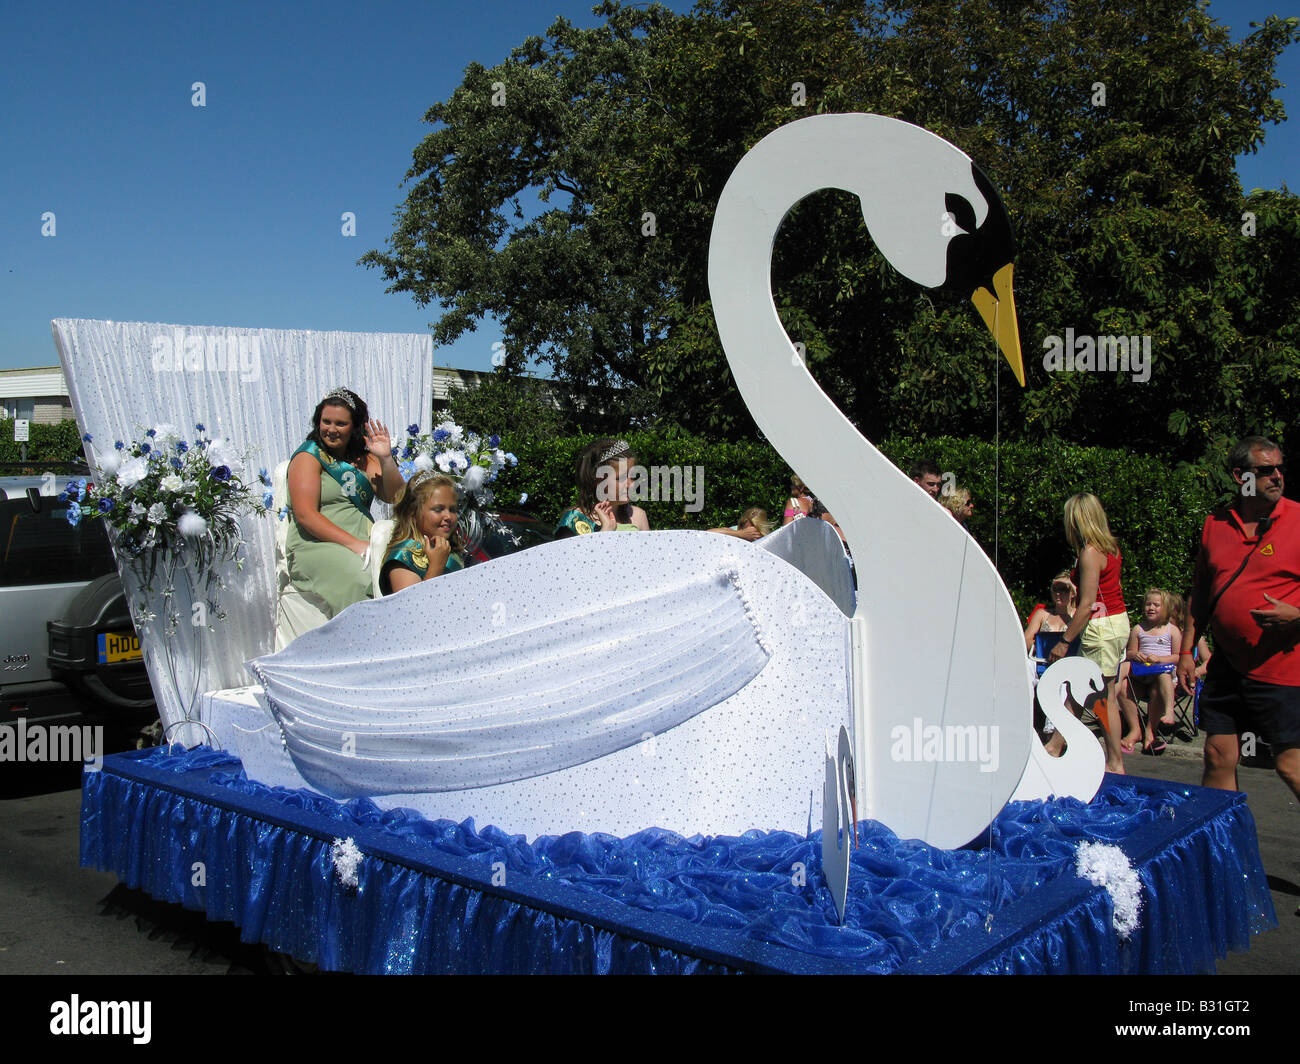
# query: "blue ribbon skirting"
436,896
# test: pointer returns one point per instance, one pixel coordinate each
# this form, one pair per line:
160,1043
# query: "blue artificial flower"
63,496
440,434
106,505
81,489
284,511
511,459
413,430
407,469
182,446
177,464
264,477
221,473
74,514
199,428
494,441
87,438
267,499
119,445
409,452
152,433
145,448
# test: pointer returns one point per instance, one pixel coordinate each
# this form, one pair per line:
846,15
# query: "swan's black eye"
961,210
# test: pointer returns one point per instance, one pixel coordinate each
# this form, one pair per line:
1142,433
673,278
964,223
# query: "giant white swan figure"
685,680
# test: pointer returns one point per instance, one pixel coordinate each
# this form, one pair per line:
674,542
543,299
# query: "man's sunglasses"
1266,470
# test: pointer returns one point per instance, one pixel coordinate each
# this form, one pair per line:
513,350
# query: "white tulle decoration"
474,478
221,453
191,524
422,463
108,461
347,859
1108,866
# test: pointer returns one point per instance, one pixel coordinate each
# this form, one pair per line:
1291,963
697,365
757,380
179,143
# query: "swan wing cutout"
487,704
1078,772
941,699
837,819
815,550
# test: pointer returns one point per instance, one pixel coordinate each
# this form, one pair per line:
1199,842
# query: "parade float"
530,766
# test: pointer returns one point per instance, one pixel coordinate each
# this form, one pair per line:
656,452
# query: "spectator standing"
1101,618
1247,590
928,475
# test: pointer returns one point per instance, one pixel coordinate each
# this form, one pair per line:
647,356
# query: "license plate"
119,646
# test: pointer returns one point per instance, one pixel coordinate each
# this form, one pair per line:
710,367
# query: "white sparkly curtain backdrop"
255,387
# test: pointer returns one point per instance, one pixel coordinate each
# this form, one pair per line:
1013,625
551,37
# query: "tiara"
343,396
619,447
425,475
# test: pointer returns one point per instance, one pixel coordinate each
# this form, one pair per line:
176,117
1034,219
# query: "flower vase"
173,611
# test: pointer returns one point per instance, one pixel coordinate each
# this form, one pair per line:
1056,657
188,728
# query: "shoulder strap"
1260,530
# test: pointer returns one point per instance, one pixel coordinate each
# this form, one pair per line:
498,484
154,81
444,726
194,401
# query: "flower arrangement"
473,461
163,497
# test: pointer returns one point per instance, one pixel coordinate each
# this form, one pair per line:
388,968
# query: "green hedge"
1155,510
59,443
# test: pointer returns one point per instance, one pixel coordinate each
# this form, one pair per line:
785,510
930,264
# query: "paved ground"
56,917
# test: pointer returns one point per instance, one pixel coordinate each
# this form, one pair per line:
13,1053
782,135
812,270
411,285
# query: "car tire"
103,604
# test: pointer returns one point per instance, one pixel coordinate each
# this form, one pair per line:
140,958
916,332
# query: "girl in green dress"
424,543
333,477
603,473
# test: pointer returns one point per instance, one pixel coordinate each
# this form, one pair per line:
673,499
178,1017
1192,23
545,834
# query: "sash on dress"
575,521
410,554
354,484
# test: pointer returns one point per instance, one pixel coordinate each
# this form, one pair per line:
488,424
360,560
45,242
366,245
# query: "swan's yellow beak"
998,309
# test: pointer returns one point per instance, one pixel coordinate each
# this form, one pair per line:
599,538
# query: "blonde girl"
1101,618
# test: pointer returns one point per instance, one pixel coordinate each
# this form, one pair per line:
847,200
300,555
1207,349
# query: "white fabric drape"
257,388
457,710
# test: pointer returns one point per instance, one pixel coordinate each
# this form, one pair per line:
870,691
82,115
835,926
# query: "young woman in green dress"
346,461
424,542
603,472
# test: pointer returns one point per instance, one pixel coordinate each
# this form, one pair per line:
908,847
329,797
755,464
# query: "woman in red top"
1101,617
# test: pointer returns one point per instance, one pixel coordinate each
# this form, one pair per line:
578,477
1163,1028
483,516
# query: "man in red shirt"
1248,589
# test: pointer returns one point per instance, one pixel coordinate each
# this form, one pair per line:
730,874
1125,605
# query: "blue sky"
229,214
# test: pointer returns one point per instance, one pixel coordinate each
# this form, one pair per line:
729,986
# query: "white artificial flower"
422,463
137,511
171,482
191,524
108,462
444,461
459,463
132,472
157,513
165,433
454,433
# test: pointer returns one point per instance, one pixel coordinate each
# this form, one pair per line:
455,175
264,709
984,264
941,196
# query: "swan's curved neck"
792,411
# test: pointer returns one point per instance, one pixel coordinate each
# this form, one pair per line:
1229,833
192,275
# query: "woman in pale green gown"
334,476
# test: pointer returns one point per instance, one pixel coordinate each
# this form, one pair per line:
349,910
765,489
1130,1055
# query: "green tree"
569,191
514,407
